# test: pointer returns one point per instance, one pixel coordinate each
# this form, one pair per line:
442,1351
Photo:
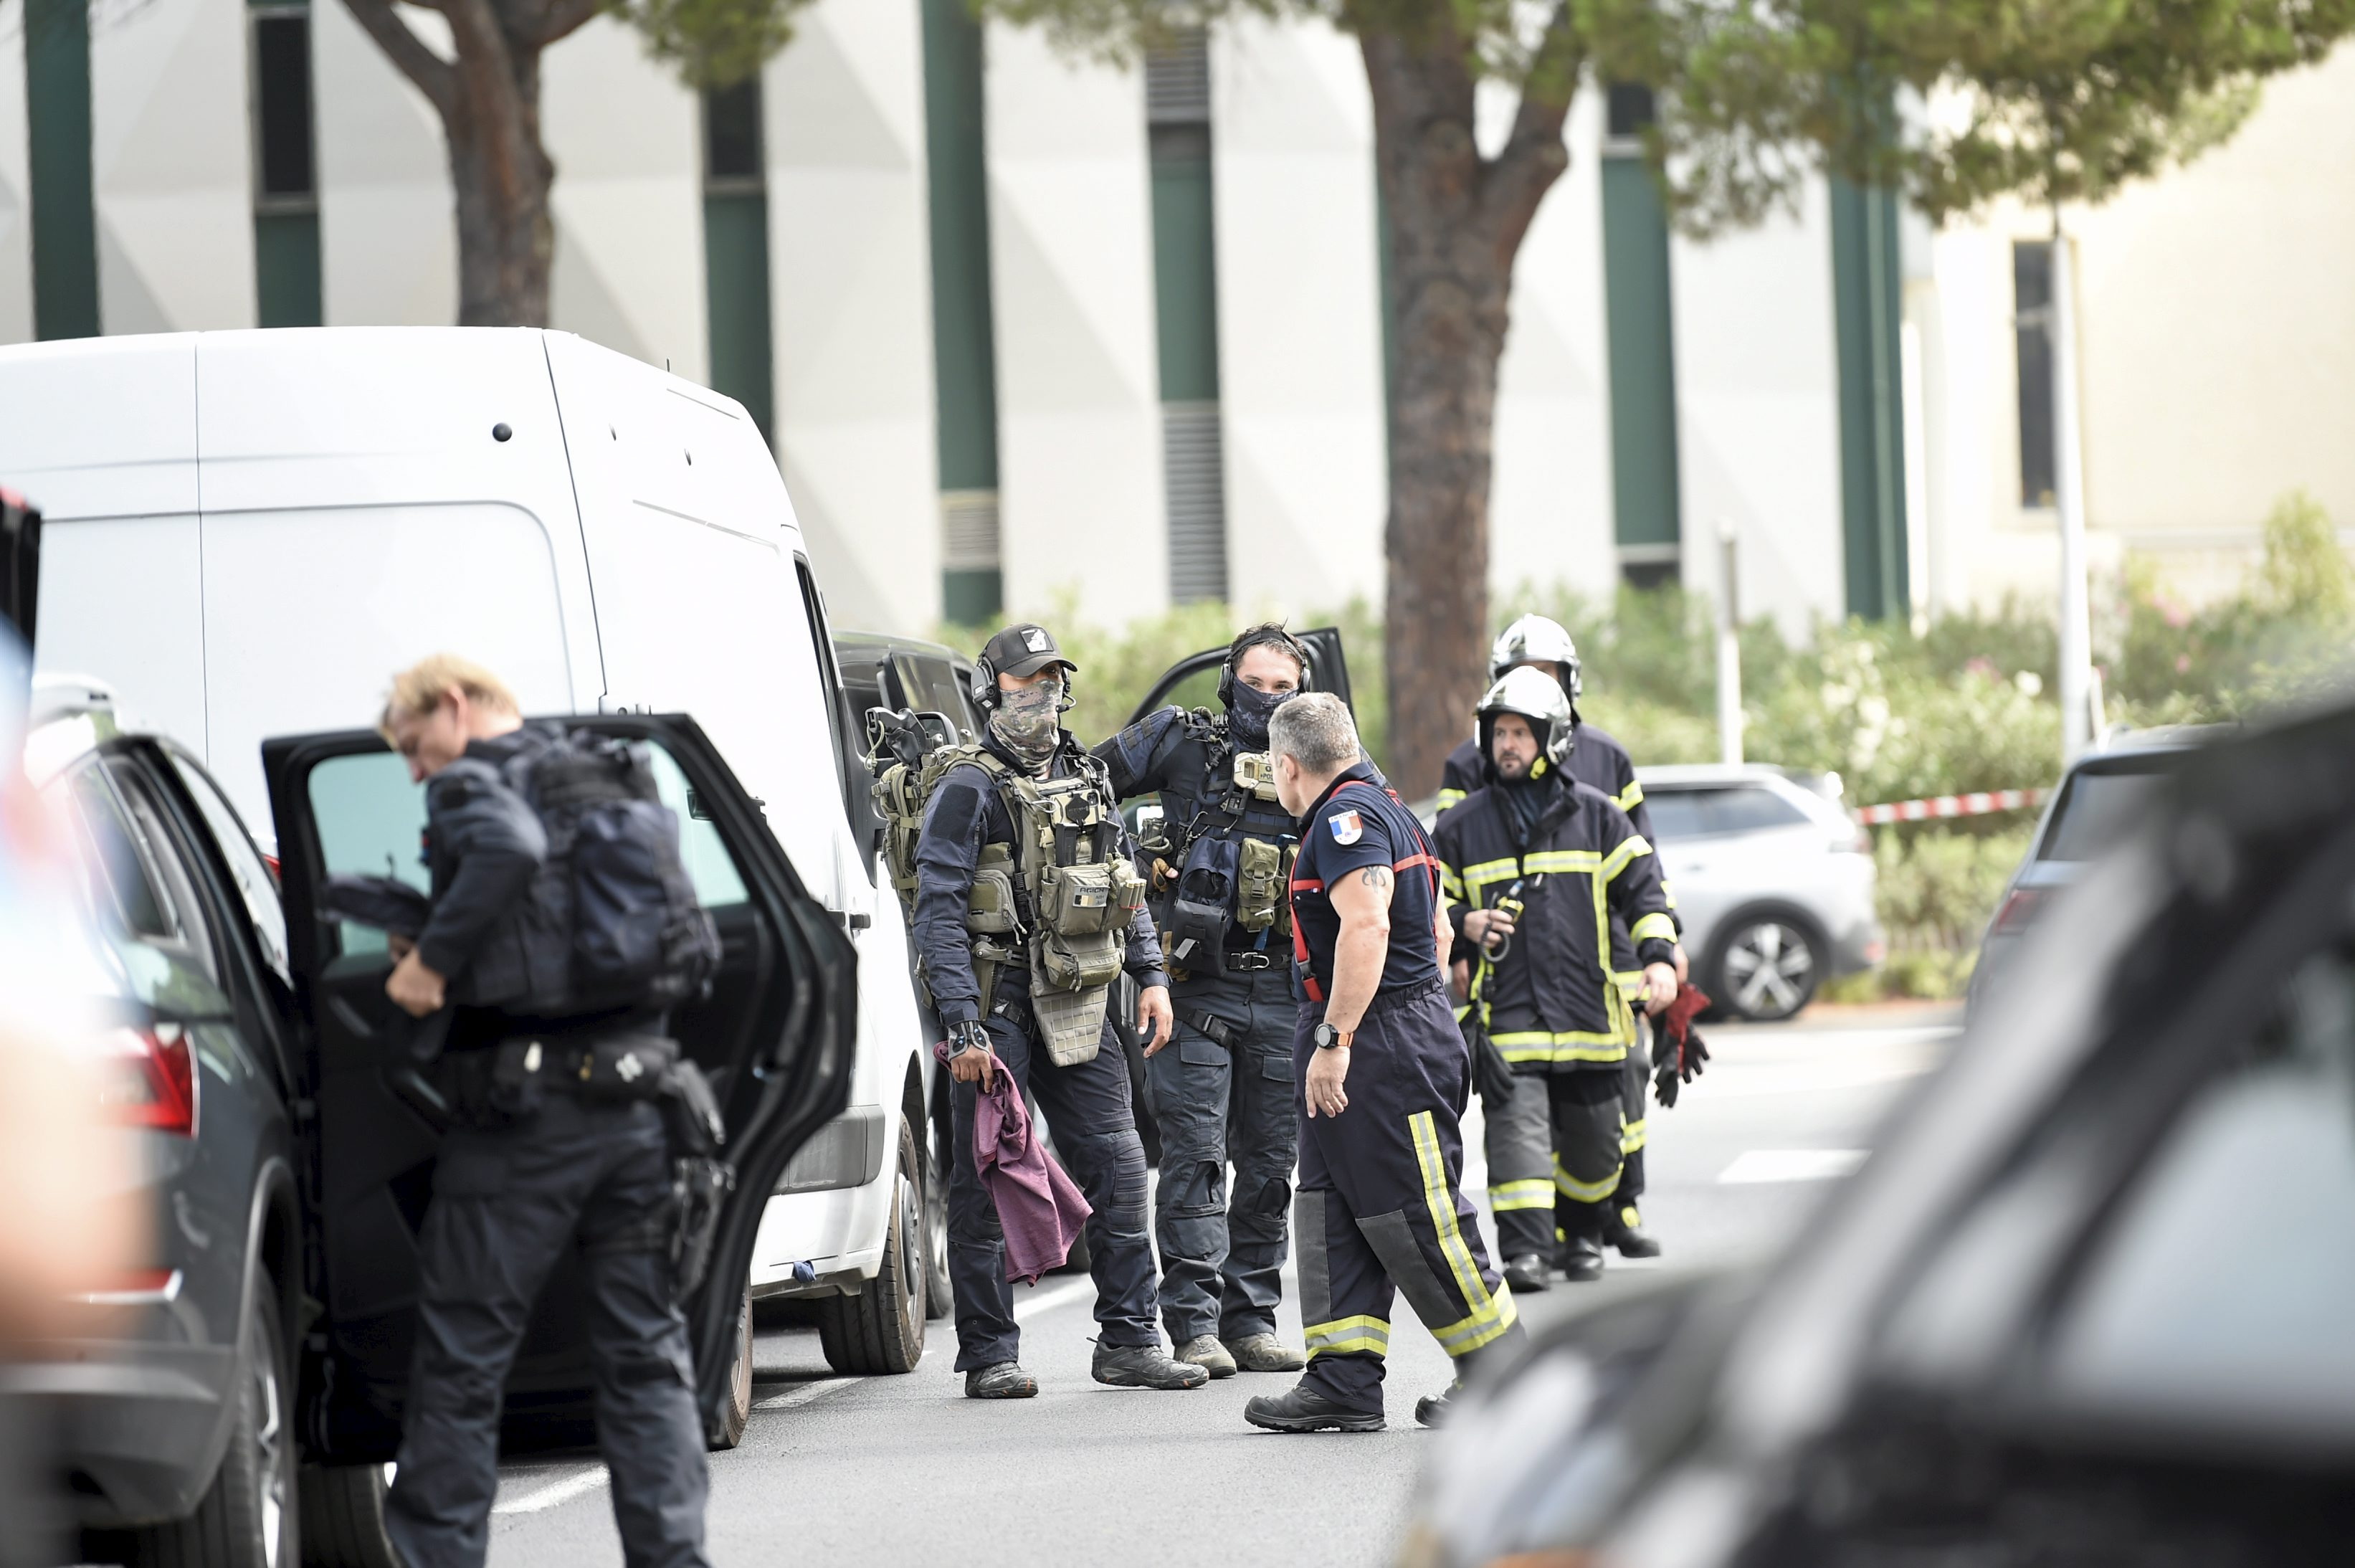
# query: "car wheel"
738,1412
882,1328
343,1517
1765,968
938,1300
250,1516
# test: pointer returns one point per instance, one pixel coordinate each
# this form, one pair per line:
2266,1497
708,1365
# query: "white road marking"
578,1484
1791,1165
1052,1297
808,1393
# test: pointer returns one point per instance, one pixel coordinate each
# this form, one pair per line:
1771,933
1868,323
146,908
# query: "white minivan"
248,532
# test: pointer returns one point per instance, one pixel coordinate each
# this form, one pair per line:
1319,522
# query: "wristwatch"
1327,1038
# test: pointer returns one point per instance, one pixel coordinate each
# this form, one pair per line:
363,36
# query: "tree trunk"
488,99
1456,223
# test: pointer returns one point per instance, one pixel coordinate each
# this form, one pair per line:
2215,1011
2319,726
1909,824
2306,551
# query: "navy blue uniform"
1382,1206
1087,1106
1221,1090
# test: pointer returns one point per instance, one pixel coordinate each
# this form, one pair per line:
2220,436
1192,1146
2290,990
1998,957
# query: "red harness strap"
1425,858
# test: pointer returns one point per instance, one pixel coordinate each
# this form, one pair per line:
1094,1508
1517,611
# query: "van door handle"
851,921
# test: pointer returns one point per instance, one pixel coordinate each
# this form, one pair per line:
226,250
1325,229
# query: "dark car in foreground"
2086,1304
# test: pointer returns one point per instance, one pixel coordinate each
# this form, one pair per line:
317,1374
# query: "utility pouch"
991,909
1069,1024
1199,915
1076,900
1062,963
699,1186
1259,883
1283,890
1255,774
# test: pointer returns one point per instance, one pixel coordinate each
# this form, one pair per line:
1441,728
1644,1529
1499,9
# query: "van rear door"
776,1033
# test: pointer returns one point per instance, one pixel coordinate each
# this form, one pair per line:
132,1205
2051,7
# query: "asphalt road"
902,1469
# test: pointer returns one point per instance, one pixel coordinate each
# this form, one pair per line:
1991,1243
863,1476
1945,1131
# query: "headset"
987,695
1275,637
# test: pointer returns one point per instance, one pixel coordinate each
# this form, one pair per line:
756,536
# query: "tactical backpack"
1058,898
613,918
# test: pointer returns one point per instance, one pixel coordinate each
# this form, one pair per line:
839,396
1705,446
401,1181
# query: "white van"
248,532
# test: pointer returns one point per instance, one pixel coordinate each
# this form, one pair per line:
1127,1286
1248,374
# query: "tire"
343,1517
738,1412
938,1300
882,1328
1765,967
250,1516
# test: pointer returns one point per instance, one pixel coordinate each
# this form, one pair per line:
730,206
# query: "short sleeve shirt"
1360,824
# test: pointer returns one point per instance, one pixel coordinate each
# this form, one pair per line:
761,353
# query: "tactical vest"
1058,896
1222,857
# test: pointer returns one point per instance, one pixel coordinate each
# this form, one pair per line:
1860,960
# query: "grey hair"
1315,730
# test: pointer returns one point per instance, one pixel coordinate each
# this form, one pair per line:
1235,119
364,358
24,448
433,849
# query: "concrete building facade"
1024,330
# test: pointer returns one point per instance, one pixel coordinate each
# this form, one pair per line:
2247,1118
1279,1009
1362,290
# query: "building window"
2031,284
1640,346
1186,302
1628,111
285,170
736,250
964,349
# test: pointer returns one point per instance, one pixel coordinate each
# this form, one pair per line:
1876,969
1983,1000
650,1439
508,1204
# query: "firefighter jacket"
1597,759
1550,1001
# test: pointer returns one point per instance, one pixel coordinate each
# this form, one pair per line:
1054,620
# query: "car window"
814,610
371,822
2096,808
932,688
139,899
256,888
1675,813
1702,813
2156,1326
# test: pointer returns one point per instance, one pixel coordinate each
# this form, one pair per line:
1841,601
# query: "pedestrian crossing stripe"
1491,1313
1363,1334
1507,1196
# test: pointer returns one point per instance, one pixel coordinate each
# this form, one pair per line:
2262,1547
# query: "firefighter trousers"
1555,1157
1381,1208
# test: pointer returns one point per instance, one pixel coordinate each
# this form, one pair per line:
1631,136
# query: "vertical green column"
1186,314
1642,352
65,218
736,251
965,350
1868,310
285,185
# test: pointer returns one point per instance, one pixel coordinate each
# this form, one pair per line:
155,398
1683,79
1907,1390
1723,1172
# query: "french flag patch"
1348,827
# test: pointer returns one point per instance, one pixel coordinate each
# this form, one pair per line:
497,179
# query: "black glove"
1679,1064
1491,1073
967,1036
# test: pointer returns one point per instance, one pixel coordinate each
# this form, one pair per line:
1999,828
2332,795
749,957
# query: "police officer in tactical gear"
1536,643
1380,1073
1222,1089
516,1187
1536,866
1022,871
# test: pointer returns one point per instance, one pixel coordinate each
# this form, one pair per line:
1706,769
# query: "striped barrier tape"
1976,804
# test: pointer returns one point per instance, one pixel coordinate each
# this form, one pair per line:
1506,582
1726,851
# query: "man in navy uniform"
1382,1073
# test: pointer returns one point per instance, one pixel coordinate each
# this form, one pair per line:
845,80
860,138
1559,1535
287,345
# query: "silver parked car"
1772,878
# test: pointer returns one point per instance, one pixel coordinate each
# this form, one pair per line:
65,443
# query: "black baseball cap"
1024,650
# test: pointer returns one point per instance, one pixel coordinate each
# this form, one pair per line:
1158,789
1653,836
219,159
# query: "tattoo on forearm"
1377,877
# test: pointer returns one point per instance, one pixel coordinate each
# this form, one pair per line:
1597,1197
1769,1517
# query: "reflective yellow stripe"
1488,871
1510,1195
1562,861
1450,883
1447,797
1632,797
1620,859
1574,1045
1667,893
1570,1186
1653,925
1632,1137
1490,1315
1360,1333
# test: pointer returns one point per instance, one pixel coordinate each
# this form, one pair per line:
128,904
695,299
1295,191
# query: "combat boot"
1626,1233
1205,1352
1582,1259
1528,1272
1432,1409
1266,1353
1145,1366
1304,1410
1003,1379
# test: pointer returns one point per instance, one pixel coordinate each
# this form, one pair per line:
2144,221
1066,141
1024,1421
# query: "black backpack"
614,881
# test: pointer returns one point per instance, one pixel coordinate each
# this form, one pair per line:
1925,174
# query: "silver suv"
1772,881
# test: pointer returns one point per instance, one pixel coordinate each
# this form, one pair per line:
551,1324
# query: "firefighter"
1536,866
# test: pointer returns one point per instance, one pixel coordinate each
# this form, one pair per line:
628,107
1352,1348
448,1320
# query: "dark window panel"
731,132
2031,283
282,69
1629,110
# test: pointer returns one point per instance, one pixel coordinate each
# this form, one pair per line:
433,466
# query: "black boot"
1432,1409
1528,1272
1003,1379
1303,1409
1582,1259
1145,1365
1626,1233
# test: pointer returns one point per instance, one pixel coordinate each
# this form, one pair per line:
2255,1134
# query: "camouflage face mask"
1028,723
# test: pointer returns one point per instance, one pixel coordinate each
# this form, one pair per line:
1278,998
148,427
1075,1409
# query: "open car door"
1329,672
776,1033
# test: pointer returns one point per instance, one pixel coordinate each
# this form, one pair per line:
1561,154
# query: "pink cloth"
1040,1210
